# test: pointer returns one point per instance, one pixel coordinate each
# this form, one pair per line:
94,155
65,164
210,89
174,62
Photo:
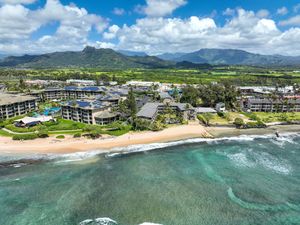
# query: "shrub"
156,126
205,118
60,137
77,135
24,136
258,124
238,122
221,114
95,134
141,124
42,133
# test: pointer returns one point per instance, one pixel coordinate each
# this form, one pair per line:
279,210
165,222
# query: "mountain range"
91,57
232,57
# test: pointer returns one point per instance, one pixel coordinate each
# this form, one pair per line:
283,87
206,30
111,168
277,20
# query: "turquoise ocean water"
245,180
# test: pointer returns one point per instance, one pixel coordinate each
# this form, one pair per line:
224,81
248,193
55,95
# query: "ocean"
244,180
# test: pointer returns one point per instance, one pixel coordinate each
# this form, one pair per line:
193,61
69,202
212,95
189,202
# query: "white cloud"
17,22
118,11
263,13
160,8
229,12
100,44
282,11
72,33
293,21
16,2
112,32
246,30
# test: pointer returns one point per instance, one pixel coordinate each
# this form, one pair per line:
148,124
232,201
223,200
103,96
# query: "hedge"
60,137
24,136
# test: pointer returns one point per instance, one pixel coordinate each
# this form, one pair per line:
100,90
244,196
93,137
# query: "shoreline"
109,144
68,145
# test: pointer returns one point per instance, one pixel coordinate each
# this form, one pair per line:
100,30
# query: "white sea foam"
98,221
85,222
241,159
73,157
18,165
271,163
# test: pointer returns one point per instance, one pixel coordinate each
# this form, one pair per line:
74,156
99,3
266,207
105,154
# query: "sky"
151,26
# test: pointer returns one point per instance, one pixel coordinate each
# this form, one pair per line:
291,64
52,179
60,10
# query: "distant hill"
2,56
90,57
132,53
233,57
171,56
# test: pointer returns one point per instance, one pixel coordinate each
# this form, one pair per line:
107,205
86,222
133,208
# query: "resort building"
201,110
90,112
12,105
81,82
74,92
32,121
150,110
165,97
269,105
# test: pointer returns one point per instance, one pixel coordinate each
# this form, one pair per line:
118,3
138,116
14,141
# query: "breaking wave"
250,158
98,221
73,157
107,221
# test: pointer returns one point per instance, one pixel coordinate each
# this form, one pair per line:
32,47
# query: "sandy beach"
107,143
71,145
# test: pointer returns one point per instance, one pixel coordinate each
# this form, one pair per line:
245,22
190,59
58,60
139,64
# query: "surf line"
210,172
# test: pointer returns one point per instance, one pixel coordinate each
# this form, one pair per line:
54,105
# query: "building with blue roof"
87,111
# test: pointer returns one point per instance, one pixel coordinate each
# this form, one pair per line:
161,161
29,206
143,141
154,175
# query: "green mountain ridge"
233,57
88,58
91,57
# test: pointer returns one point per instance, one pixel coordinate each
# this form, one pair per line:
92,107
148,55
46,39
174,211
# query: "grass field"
278,117
69,127
239,75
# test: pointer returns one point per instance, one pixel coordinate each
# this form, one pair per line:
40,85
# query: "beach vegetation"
269,117
77,135
141,124
60,137
239,122
205,118
257,124
19,137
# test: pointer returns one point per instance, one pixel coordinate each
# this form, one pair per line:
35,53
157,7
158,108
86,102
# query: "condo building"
12,105
90,112
269,105
150,110
74,92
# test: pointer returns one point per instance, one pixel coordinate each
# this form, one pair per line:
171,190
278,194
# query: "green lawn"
4,133
269,117
228,118
62,126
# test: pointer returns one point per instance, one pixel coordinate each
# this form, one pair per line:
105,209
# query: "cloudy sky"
152,26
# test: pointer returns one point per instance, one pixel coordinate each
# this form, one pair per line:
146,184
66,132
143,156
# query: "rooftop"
86,104
150,109
105,114
6,99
